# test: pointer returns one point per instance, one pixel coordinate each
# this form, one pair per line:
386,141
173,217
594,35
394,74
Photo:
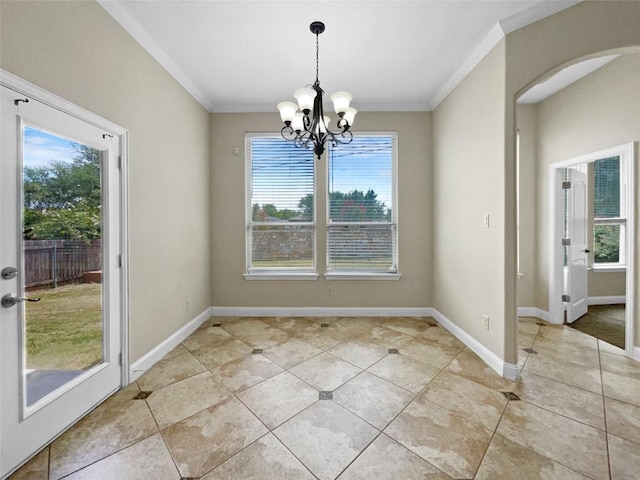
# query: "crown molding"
362,107
535,13
497,33
140,35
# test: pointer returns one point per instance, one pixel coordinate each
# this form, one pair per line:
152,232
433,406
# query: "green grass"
64,329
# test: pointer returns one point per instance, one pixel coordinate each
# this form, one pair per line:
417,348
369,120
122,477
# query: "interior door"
577,273
60,327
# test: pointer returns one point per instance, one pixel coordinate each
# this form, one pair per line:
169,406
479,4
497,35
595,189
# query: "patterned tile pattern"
360,398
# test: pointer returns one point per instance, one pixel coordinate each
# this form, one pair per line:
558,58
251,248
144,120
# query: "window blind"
281,205
361,231
607,188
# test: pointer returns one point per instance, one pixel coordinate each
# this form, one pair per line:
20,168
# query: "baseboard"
636,353
322,311
533,312
502,368
145,362
607,300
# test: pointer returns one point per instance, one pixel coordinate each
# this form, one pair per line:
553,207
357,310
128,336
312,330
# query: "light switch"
485,220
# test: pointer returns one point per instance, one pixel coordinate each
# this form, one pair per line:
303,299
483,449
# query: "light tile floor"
360,398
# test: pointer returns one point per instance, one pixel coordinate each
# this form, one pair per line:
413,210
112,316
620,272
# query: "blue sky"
41,147
364,164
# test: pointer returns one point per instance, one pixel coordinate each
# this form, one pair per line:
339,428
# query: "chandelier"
309,126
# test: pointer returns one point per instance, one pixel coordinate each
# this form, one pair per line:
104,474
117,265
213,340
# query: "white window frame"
273,273
394,273
621,264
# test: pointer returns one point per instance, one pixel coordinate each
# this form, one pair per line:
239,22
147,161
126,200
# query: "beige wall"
599,111
540,49
229,288
78,51
469,181
527,115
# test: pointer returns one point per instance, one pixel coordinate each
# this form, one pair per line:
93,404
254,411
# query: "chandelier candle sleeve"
341,101
308,127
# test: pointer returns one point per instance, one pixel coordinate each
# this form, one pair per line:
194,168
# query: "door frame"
22,86
556,273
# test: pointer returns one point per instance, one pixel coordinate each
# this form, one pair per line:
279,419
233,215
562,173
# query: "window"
361,205
280,206
609,213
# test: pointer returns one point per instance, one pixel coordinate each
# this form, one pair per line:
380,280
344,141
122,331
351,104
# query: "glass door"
60,282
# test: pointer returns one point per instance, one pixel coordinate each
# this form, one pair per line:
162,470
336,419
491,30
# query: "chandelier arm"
287,133
346,137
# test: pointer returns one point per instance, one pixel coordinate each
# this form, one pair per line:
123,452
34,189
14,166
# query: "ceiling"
564,78
246,56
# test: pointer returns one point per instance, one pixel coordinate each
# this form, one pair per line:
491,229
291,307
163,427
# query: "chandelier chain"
317,57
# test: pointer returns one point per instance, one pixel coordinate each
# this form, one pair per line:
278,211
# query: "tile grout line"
493,434
293,454
381,431
604,413
106,456
49,462
562,414
164,442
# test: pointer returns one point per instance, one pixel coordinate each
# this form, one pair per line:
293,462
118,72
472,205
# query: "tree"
269,211
607,243
62,200
306,206
357,206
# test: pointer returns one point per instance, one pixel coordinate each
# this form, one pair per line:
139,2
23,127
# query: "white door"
577,280
60,243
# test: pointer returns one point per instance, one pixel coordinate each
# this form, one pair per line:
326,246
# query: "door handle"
9,300
586,250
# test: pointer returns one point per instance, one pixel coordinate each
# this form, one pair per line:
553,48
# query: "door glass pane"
62,252
607,188
607,243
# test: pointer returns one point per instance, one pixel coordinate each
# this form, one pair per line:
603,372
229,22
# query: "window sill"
281,276
361,276
609,269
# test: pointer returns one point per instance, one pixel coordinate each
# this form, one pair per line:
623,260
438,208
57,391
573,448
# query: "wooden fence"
49,263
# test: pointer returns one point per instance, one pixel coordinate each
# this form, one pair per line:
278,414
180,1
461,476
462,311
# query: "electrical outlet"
329,290
187,305
485,319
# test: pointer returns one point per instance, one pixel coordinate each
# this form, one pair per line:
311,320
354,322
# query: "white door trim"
556,282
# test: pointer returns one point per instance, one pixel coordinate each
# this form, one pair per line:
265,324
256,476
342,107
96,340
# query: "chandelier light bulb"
298,122
341,101
349,115
287,111
305,97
